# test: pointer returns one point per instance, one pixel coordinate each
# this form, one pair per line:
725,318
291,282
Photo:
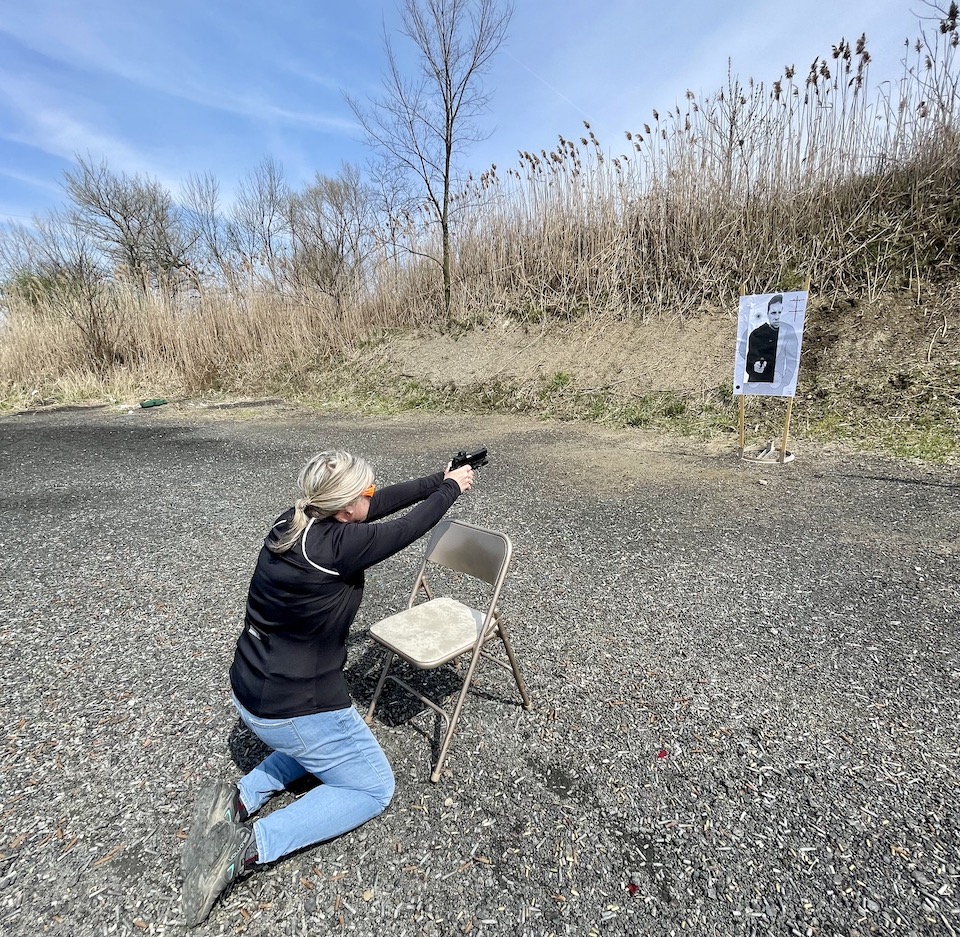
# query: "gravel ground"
746,684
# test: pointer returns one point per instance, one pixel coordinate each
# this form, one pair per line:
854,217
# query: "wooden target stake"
743,400
786,432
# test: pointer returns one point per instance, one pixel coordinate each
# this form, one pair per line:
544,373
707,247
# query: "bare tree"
421,125
18,268
259,230
201,199
330,224
61,269
135,220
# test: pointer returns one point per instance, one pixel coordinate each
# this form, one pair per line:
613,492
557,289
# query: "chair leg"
455,718
521,686
368,718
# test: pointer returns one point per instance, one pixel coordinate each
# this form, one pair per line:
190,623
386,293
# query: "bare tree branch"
422,125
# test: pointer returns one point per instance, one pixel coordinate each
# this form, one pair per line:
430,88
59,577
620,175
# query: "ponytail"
331,480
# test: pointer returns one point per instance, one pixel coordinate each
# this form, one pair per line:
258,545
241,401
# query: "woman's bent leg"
277,770
273,775
357,784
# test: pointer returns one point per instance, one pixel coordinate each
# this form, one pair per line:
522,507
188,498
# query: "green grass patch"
923,425
922,436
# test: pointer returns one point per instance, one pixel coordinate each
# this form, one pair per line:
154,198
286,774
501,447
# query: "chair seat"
431,633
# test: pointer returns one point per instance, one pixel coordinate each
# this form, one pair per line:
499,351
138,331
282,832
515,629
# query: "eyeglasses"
369,492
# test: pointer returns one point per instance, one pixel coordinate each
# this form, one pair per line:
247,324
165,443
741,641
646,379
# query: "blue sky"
176,88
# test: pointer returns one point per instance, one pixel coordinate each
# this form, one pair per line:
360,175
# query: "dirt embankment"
892,347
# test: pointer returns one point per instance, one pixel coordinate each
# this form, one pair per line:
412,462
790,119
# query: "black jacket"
762,347
290,655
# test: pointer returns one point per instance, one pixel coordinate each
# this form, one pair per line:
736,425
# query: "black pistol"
475,459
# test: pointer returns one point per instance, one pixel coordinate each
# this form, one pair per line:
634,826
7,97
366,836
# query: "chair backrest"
466,548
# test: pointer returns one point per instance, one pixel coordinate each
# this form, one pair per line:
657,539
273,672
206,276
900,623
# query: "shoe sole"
213,871
214,805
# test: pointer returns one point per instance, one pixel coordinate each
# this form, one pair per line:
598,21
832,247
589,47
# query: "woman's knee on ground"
382,787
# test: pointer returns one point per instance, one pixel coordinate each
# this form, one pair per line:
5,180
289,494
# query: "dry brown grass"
208,341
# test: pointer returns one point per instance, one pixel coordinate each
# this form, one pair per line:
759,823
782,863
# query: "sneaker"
217,802
215,865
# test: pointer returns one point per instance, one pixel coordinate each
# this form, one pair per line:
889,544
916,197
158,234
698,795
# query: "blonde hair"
331,480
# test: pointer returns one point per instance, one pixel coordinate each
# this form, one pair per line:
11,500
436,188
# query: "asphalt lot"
746,684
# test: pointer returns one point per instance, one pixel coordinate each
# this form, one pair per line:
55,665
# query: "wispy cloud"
50,123
158,63
36,182
31,181
264,110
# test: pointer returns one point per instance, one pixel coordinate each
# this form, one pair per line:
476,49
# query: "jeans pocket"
281,735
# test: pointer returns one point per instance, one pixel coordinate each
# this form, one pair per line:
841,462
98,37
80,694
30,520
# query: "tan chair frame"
474,551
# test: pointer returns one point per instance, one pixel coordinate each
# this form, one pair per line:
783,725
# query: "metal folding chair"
429,634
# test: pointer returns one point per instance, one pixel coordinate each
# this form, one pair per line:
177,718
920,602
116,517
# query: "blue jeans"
336,747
